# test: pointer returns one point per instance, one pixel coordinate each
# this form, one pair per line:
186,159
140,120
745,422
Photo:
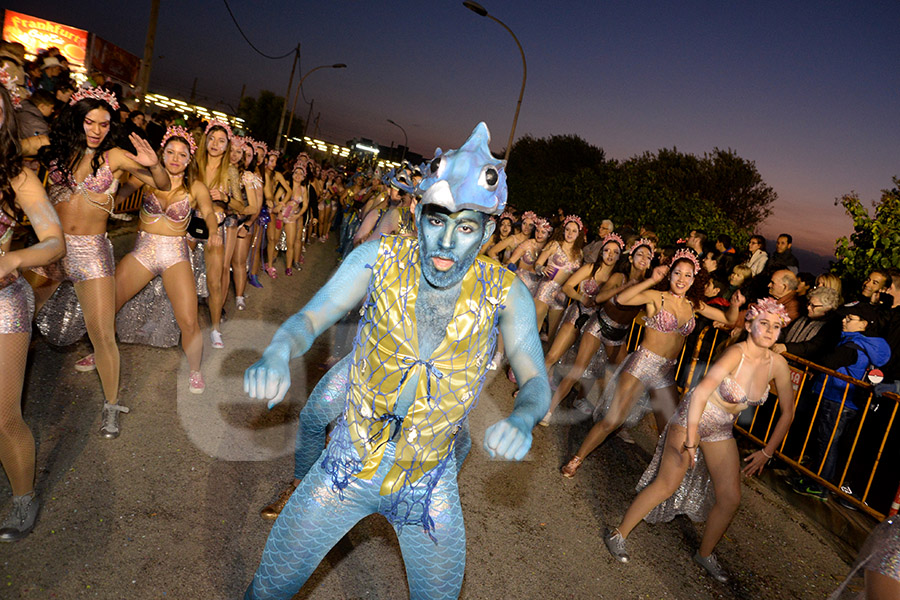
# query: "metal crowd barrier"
864,459
867,450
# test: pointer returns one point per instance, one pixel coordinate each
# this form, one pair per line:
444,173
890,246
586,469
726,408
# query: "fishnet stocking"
215,260
98,303
16,441
179,282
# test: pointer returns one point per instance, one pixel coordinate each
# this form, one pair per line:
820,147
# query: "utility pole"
287,98
194,91
147,63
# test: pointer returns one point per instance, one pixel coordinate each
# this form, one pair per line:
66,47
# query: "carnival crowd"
221,212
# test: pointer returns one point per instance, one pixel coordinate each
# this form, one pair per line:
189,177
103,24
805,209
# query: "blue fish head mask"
466,179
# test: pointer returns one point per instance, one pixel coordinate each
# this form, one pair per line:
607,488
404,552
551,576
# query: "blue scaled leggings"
315,519
325,404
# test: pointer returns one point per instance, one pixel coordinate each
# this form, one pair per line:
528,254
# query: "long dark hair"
559,235
10,157
68,141
695,293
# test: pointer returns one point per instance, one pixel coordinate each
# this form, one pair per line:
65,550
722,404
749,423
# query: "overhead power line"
246,39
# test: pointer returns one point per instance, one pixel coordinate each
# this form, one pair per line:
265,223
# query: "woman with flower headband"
332,192
504,232
295,207
20,192
161,248
557,262
261,223
651,367
240,235
84,166
223,182
307,233
321,184
583,288
275,190
508,246
608,326
697,446
527,253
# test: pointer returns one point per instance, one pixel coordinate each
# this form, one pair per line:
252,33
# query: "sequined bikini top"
102,182
176,214
7,224
561,261
733,393
666,322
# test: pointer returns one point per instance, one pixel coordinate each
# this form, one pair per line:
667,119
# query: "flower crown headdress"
219,123
685,254
767,305
301,161
96,93
573,219
238,142
258,144
613,237
529,216
639,243
273,153
544,225
7,81
506,215
177,131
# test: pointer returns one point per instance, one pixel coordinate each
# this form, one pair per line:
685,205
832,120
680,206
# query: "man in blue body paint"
430,316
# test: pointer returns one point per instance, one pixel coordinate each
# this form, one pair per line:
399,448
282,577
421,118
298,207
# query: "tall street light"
482,12
297,95
405,139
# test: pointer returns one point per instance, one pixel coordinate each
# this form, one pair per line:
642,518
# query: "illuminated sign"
37,34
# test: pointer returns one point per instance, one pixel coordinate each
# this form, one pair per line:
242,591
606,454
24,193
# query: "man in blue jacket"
861,346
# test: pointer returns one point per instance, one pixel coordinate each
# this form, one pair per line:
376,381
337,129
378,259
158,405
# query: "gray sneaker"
110,418
615,543
20,520
712,567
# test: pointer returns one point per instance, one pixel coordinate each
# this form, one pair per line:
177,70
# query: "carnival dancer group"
448,282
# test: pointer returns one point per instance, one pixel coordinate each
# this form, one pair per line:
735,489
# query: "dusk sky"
808,91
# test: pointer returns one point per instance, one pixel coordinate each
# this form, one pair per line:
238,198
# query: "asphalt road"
170,508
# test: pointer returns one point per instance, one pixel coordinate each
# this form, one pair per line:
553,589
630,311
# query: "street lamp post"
297,95
482,12
405,139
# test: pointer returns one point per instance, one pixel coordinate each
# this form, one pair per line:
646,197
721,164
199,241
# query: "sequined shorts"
159,252
607,330
550,293
575,311
87,257
16,307
715,424
653,371
530,279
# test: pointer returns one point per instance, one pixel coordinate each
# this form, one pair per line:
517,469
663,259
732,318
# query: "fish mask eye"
489,178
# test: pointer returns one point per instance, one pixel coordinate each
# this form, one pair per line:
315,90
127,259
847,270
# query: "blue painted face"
449,242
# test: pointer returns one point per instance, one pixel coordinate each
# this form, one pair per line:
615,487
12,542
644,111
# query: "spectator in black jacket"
783,257
816,333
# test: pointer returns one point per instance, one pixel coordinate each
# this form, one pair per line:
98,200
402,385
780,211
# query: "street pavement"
171,508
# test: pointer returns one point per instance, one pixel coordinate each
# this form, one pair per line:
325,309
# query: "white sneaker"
216,338
240,303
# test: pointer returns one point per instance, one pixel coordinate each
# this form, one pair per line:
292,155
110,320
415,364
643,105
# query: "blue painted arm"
511,437
270,377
